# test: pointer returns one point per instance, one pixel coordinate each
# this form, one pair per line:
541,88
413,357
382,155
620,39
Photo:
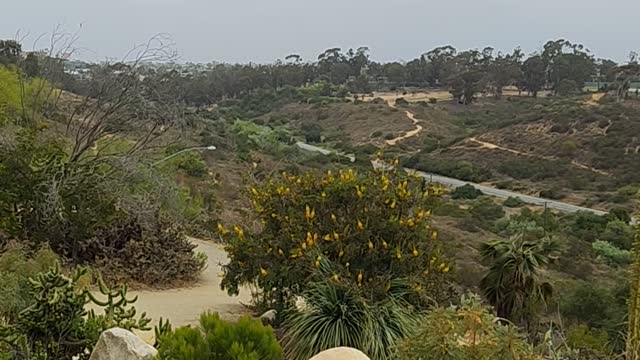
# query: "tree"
395,73
504,70
10,52
513,283
440,59
369,228
534,74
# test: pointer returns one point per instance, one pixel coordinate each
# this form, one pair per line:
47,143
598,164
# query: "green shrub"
513,202
216,339
485,209
371,227
462,170
56,325
553,193
192,164
587,303
466,191
619,234
433,101
389,136
611,253
581,337
586,225
376,134
469,331
17,265
335,316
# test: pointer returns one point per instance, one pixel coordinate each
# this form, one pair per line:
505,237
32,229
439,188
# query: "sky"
266,30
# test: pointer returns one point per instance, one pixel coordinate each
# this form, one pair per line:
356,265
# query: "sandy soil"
184,306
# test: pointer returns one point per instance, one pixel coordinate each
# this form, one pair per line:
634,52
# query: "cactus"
161,329
56,324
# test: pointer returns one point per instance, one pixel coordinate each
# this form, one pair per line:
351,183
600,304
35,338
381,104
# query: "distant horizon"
259,31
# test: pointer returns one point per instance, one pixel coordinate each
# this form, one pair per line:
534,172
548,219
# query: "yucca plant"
336,315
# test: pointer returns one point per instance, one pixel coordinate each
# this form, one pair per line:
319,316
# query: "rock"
341,353
121,344
269,317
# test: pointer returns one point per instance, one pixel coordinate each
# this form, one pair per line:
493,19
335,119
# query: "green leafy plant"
56,325
217,339
513,283
467,191
335,315
469,331
371,227
513,202
611,253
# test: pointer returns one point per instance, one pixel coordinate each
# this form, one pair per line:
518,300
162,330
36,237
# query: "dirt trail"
184,306
408,134
391,102
593,100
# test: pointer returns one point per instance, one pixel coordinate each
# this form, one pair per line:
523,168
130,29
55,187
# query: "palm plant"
513,284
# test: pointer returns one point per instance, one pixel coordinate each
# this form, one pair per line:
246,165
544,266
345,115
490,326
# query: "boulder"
341,353
121,344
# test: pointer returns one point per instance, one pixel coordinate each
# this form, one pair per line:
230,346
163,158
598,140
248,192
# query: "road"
451,182
533,200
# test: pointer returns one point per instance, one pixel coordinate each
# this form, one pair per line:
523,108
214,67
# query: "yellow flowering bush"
368,229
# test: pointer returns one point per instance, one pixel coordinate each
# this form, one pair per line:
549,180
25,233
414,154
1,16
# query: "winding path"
183,306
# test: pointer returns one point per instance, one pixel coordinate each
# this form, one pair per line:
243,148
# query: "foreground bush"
217,339
470,331
56,325
335,316
371,228
17,265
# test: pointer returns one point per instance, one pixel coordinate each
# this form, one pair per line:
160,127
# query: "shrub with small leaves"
217,339
371,227
470,331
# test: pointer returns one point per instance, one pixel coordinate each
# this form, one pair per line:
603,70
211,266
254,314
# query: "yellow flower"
222,230
442,266
360,225
324,194
398,253
415,252
335,277
333,217
426,272
238,231
347,265
446,269
280,252
385,245
327,237
418,287
263,272
254,191
318,261
370,245
360,278
341,253
434,235
309,214
393,204
309,239
336,236
410,223
304,245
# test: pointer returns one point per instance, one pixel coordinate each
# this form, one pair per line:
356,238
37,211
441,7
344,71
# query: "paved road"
505,193
451,182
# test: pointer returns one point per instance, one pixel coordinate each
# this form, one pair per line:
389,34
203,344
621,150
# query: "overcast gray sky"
265,30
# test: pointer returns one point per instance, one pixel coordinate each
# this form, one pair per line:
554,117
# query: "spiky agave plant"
337,314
